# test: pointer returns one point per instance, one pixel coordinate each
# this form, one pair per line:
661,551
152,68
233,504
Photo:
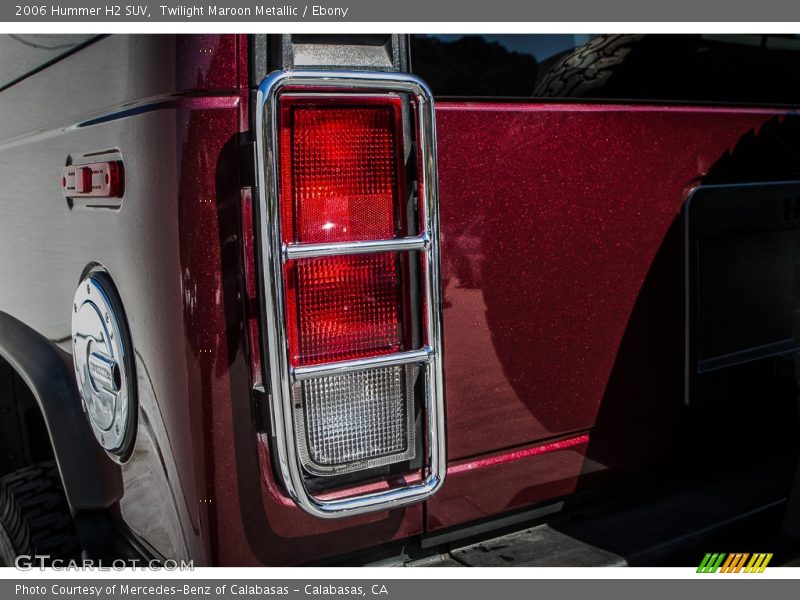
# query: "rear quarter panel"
563,289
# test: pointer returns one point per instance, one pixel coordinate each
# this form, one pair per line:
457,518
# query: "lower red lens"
343,307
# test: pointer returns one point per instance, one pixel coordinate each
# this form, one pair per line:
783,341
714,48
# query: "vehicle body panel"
174,110
552,216
164,103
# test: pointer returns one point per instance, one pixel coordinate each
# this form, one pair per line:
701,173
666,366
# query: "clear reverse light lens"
356,421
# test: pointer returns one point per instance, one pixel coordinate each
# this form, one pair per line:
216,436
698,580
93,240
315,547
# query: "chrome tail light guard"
273,253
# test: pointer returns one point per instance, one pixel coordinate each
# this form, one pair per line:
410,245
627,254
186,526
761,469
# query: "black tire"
588,68
630,67
34,515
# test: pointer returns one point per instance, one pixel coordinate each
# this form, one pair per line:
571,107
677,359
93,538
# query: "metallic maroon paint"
551,218
482,463
552,215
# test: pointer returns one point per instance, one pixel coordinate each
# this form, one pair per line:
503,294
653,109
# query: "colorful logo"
734,563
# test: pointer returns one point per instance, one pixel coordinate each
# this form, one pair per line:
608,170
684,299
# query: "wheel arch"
87,475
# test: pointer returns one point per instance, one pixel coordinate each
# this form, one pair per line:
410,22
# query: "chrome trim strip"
221,100
271,253
373,362
296,251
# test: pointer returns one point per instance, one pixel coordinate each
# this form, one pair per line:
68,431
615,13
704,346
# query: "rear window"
736,69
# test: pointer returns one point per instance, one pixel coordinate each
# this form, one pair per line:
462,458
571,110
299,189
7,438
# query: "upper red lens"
341,180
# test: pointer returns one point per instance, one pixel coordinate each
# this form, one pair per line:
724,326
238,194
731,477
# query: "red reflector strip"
96,180
342,180
343,307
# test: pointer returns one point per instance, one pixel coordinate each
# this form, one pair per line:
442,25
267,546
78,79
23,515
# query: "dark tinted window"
744,69
22,53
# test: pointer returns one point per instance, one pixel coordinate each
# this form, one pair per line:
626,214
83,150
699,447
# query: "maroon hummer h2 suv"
390,299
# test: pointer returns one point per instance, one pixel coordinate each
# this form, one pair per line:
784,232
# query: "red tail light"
341,181
352,299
